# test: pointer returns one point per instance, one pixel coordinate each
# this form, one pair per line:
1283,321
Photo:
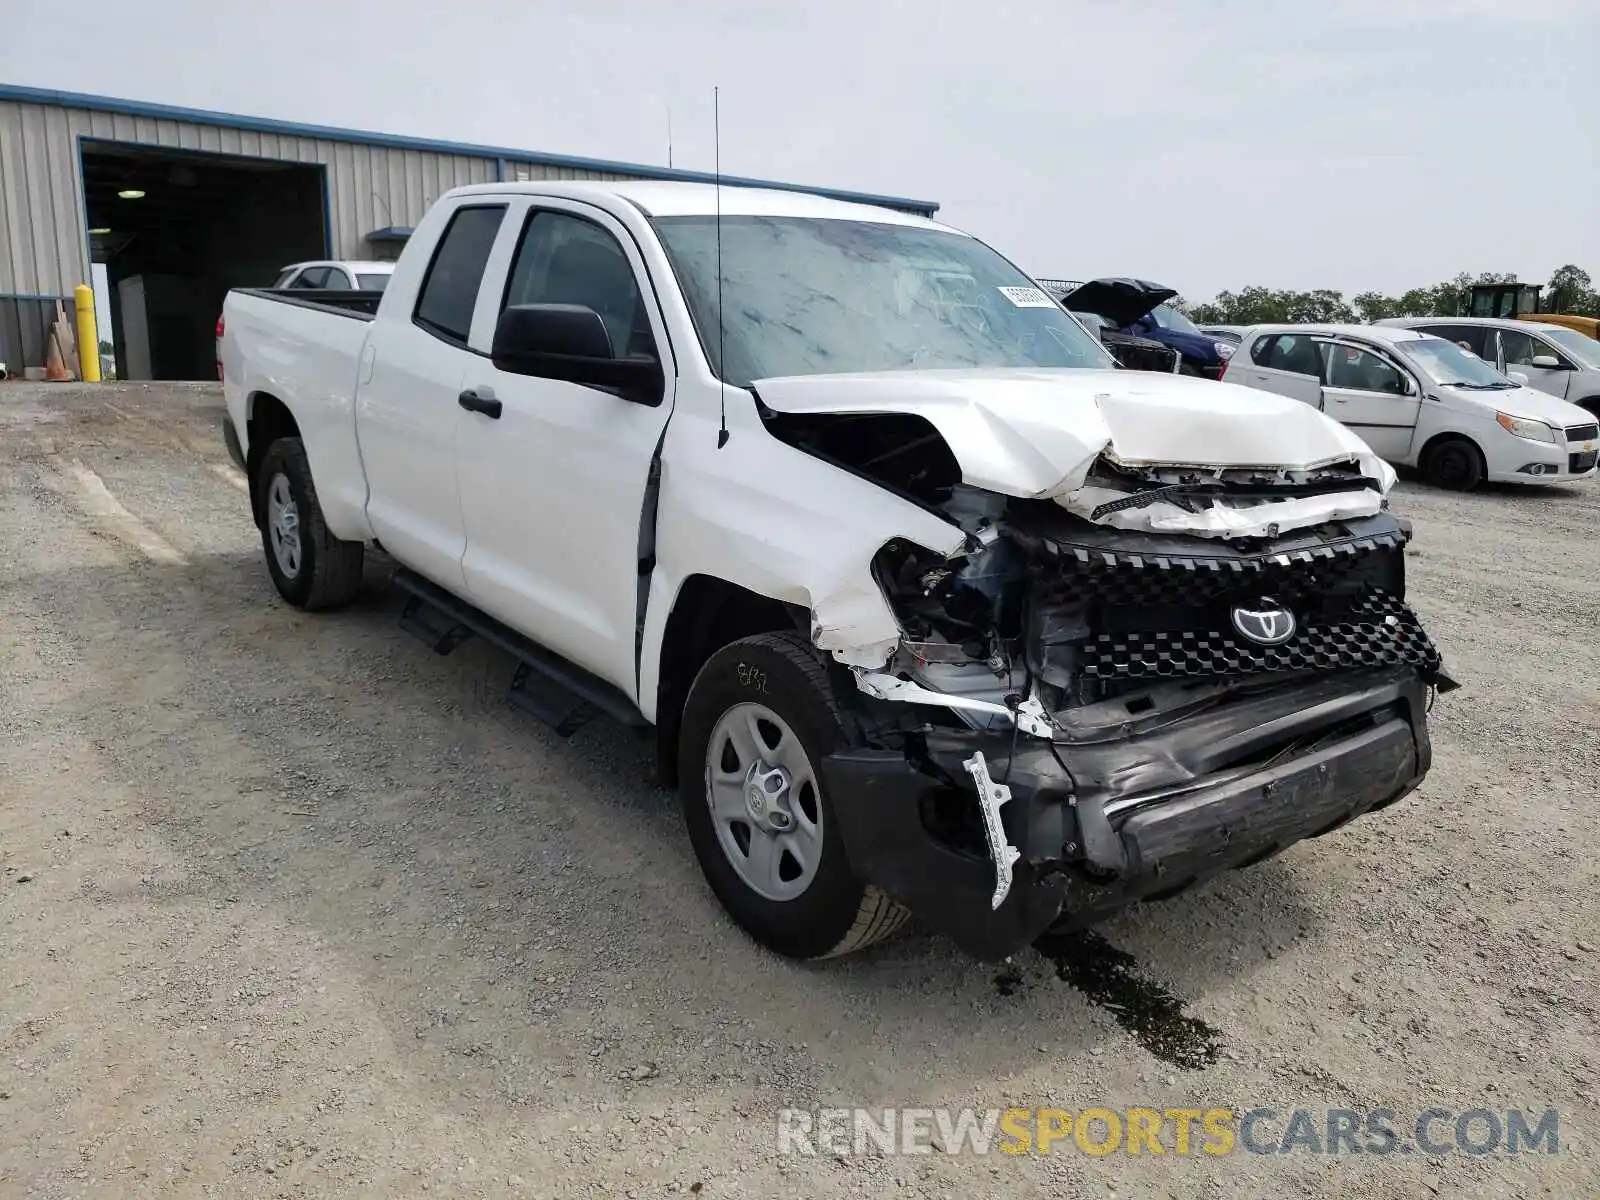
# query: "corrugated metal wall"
370,185
42,225
527,172
24,328
42,249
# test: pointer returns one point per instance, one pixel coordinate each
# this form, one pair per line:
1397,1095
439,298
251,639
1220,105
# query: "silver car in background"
1552,358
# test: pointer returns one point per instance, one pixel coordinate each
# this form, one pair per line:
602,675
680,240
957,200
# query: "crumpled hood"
1036,433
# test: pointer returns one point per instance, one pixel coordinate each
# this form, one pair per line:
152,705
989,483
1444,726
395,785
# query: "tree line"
1570,290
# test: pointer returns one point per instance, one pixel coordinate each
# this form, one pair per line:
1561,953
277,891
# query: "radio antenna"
722,340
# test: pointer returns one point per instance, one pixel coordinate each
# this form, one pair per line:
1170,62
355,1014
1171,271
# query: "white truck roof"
672,199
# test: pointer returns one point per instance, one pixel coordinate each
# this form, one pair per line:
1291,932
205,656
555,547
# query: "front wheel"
1453,463
759,720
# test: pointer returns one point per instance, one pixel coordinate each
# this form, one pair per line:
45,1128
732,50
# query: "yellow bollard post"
88,335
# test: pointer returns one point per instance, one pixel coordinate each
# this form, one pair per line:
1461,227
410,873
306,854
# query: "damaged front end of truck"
1177,658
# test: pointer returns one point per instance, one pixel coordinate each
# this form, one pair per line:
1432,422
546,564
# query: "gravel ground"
293,907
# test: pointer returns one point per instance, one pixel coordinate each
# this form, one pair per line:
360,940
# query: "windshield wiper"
1482,387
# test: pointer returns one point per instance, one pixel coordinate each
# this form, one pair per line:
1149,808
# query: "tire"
834,912
322,571
1453,463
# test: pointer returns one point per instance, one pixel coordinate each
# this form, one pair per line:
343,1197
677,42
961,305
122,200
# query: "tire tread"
335,564
1428,462
878,916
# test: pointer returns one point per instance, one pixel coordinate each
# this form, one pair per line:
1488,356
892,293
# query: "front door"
553,489
1518,350
1372,396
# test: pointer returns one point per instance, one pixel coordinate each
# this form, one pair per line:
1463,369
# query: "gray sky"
1332,143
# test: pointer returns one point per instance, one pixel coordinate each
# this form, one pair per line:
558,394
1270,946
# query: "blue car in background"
1139,307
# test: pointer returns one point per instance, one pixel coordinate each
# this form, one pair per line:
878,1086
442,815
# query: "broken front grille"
1379,630
1120,577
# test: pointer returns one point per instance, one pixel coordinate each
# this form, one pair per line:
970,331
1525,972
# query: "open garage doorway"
176,229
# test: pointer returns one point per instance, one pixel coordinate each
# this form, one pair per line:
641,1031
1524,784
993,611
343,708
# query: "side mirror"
1408,386
571,343
1545,362
1517,377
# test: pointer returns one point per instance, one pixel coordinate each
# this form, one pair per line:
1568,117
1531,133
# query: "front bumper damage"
1100,824
1172,640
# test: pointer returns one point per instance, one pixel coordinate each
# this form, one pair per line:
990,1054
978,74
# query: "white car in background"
328,275
1422,401
1552,358
323,275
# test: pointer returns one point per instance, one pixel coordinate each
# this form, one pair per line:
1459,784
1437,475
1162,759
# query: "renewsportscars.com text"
842,1132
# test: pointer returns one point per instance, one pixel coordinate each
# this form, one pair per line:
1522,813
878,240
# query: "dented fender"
774,520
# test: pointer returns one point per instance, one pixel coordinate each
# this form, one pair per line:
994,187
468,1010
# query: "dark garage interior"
177,229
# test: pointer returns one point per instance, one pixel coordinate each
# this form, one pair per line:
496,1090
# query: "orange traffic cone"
55,370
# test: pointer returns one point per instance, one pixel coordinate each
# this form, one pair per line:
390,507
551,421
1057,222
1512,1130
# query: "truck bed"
363,306
305,353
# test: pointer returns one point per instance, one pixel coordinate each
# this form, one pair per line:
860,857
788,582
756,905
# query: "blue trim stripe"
503,156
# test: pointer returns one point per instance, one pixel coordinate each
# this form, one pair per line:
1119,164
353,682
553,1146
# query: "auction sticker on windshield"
1027,297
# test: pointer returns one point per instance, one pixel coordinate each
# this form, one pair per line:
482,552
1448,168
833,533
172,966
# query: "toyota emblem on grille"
1266,622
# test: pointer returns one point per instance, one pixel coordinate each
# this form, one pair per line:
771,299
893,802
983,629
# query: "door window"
1519,348
1292,352
311,277
1477,338
337,280
1359,370
564,259
450,290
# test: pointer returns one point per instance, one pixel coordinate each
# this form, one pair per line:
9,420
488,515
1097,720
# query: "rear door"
1287,363
1369,392
407,406
553,488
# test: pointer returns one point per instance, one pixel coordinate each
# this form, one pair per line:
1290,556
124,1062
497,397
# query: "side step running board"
559,693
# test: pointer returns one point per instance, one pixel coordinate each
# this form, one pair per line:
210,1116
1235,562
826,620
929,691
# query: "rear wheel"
1453,463
759,720
309,566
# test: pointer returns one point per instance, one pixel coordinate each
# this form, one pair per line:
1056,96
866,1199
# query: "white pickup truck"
932,609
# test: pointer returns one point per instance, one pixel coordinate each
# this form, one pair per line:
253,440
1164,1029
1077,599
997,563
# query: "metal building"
182,204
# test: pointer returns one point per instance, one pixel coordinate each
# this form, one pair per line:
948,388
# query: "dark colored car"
1129,349
1138,307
